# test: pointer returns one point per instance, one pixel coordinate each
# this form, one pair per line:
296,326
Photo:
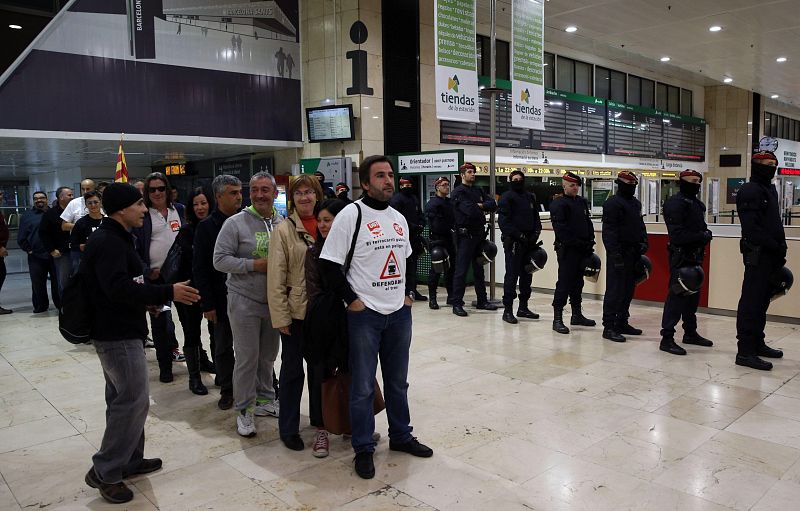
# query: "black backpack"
75,316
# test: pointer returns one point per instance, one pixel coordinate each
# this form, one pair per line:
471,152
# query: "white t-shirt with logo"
378,269
163,235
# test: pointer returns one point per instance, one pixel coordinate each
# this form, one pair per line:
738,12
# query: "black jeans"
570,277
292,381
516,257
465,257
620,285
751,315
191,317
679,307
40,269
223,354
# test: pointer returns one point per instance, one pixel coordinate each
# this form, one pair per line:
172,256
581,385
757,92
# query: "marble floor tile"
667,432
24,406
729,395
779,405
654,497
532,371
7,500
704,413
782,496
513,458
632,456
580,383
771,428
35,432
791,388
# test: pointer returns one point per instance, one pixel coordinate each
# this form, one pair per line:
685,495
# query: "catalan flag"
121,176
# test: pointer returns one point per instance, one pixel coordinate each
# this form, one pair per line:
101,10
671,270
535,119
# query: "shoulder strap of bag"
349,258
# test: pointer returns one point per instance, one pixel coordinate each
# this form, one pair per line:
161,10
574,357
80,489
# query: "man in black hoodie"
119,296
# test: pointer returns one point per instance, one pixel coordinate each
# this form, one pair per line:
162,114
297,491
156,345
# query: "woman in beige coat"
286,289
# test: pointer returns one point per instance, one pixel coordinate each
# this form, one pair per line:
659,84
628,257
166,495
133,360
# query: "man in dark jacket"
471,204
40,262
625,239
119,294
441,219
407,204
55,239
211,283
685,216
763,248
574,233
521,226
4,233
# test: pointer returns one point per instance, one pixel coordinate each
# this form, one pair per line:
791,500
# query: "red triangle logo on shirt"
391,270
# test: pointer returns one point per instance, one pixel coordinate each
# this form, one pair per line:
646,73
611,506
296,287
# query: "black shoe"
206,365
697,340
458,310
365,467
668,345
524,312
766,351
225,402
581,320
486,306
9,311
432,304
293,442
40,311
629,330
196,386
449,301
754,362
116,493
508,317
419,297
613,335
412,447
558,321
146,466
165,377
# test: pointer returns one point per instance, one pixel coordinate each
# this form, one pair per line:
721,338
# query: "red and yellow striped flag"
121,176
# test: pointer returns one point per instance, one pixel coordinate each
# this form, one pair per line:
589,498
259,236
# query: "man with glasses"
153,241
40,262
77,206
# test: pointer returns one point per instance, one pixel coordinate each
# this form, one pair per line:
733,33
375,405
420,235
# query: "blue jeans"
386,336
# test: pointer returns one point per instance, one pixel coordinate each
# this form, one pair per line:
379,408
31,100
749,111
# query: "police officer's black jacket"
519,214
118,303
623,227
757,204
441,216
572,222
467,212
685,217
407,204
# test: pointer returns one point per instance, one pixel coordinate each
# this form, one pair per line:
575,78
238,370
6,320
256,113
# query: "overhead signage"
456,63
527,70
787,151
431,161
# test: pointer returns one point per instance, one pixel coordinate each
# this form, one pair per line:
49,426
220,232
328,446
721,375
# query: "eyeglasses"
158,189
93,203
302,193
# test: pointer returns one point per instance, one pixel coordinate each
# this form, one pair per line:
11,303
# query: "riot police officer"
684,215
408,205
520,224
327,191
471,204
574,232
441,219
763,247
625,239
342,191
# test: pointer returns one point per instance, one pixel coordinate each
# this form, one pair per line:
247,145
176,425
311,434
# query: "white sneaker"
246,423
320,449
268,407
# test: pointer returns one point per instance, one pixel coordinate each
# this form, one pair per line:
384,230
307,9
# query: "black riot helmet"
538,258
643,269
440,259
486,252
690,280
780,282
591,267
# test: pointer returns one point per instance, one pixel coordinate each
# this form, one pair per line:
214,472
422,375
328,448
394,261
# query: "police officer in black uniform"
407,204
572,224
520,224
625,239
471,204
341,193
763,247
685,216
441,218
327,191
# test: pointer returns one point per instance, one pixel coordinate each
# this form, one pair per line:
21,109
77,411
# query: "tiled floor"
519,417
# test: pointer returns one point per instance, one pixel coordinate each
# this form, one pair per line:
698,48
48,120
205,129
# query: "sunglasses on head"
158,189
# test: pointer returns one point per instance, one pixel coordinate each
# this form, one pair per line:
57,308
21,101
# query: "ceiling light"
715,28
665,59
727,80
774,96
781,59
376,117
571,29
15,27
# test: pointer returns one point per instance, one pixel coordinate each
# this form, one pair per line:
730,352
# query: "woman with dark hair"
198,207
85,226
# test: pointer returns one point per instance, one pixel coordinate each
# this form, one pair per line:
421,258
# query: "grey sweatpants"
255,348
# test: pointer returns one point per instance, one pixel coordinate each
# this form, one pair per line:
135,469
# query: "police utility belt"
751,253
467,232
685,256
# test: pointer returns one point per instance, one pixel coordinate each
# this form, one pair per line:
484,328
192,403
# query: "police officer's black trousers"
751,315
465,257
679,307
570,277
411,269
620,285
433,277
516,256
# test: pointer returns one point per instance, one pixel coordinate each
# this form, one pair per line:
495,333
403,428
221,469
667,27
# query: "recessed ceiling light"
571,29
728,80
781,59
665,59
15,27
715,28
774,96
376,117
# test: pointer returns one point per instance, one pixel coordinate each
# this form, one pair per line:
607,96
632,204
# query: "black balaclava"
762,173
689,189
517,186
625,189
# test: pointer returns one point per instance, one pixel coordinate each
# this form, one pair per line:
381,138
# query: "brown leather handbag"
336,403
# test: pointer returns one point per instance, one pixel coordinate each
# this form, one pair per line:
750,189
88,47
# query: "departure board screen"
684,138
634,131
330,123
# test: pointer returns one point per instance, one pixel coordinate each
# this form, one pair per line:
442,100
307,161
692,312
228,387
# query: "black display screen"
572,123
634,131
684,138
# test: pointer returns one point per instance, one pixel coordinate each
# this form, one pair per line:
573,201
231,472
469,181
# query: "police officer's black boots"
508,315
627,329
458,310
558,321
754,362
524,312
578,318
613,335
432,303
766,351
668,345
696,339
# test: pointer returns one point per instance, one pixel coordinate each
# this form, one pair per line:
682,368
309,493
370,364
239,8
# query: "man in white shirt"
379,302
77,206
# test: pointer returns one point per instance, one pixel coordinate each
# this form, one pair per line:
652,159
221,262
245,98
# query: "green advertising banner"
456,64
527,59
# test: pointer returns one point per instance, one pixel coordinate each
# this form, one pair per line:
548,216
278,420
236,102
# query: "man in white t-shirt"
379,309
77,206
